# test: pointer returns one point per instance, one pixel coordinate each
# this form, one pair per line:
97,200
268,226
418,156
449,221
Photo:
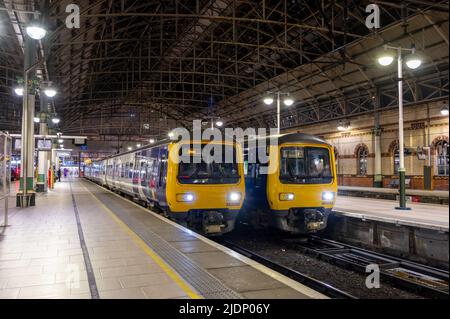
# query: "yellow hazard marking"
161,263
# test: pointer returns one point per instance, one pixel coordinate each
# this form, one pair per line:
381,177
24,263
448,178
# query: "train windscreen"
201,168
305,165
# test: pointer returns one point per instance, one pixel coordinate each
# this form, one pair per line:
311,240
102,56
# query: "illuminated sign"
79,141
44,145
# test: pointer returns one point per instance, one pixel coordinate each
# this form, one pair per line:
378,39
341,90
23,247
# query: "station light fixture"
219,123
386,58
344,126
171,134
138,145
413,61
444,110
152,141
60,141
19,91
37,120
56,120
288,101
268,100
130,148
50,92
36,30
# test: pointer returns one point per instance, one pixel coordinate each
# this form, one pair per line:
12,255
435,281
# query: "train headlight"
328,196
285,197
187,198
234,197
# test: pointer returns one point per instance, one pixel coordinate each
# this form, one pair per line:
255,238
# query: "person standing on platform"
58,174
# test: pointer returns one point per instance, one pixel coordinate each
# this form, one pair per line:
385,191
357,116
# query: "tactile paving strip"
200,279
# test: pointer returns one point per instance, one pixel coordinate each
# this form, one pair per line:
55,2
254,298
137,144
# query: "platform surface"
82,241
432,216
409,192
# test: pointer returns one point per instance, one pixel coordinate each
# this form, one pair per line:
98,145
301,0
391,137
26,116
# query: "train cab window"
196,170
305,165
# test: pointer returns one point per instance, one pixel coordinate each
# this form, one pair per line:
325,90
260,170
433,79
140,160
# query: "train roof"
301,137
145,147
296,138
282,138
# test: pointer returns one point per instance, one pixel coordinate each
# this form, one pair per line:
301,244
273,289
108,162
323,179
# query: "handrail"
5,222
6,152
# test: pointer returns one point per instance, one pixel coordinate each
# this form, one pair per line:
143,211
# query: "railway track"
317,285
421,279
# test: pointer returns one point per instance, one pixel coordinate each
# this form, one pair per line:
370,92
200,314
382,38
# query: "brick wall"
361,134
360,181
440,183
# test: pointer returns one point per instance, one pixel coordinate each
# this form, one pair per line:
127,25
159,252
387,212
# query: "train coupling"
213,222
314,219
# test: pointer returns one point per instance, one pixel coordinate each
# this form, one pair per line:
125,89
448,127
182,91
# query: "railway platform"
413,195
82,241
425,216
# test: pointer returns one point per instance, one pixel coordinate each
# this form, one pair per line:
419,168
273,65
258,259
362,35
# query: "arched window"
363,153
396,154
442,153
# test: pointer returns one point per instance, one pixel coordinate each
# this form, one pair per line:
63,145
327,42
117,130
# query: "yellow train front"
296,190
204,193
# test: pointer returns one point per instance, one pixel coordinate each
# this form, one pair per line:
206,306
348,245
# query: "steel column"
26,196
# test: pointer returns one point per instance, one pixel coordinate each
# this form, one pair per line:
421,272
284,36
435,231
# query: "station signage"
44,145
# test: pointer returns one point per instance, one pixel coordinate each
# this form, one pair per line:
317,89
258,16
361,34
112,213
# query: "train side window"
250,170
163,173
259,178
162,169
130,171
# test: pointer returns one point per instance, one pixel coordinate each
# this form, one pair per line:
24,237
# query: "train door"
153,172
108,172
162,176
136,174
146,175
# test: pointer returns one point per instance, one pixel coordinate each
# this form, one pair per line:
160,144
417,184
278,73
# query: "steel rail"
315,284
421,279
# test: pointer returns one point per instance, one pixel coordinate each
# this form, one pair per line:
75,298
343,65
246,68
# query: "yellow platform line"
161,263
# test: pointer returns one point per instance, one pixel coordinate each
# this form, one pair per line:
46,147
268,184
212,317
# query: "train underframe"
208,221
295,220
211,222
